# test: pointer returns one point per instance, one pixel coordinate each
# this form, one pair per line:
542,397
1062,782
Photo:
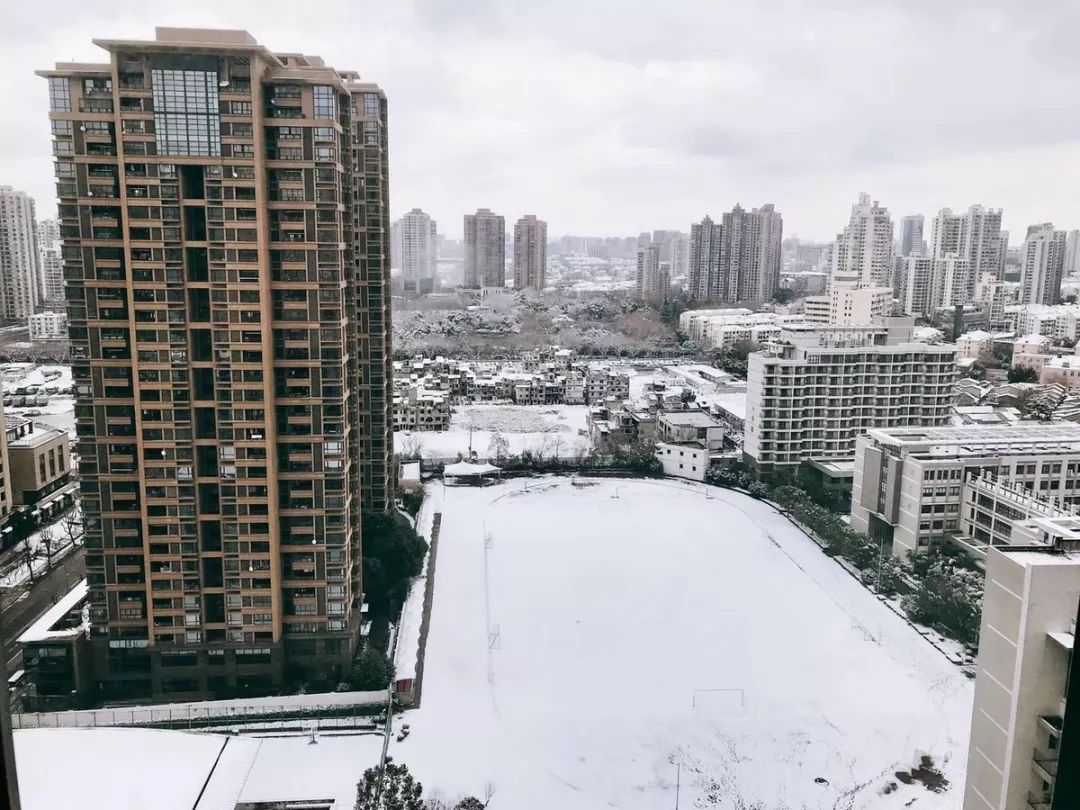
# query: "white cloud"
616,116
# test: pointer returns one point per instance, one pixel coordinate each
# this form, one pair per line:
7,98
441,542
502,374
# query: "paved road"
44,594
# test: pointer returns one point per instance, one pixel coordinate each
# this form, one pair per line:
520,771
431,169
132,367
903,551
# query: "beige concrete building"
849,306
1016,758
862,255
909,482
419,252
813,391
39,461
225,232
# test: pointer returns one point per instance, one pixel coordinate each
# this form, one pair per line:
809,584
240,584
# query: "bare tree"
49,545
30,554
411,447
71,527
556,445
498,446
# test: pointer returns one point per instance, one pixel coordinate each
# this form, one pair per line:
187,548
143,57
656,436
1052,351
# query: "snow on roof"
41,630
113,768
689,419
410,471
975,335
464,469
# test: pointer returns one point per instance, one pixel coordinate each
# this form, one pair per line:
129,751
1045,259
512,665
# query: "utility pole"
678,782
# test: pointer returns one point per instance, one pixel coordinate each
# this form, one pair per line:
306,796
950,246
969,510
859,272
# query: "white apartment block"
925,284
1027,685
999,512
849,306
20,277
1057,321
48,326
680,256
485,249
863,251
1072,254
974,235
48,234
685,440
908,481
530,253
1042,262
993,295
974,344
653,276
723,328
419,252
815,390
52,277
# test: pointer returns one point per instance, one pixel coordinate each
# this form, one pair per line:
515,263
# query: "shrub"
371,670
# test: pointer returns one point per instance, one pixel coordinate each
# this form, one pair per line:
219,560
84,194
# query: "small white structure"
683,460
973,344
468,473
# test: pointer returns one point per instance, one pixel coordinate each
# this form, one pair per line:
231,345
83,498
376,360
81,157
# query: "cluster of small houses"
426,388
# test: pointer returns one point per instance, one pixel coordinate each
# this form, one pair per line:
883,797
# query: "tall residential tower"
485,249
419,252
225,234
20,276
530,253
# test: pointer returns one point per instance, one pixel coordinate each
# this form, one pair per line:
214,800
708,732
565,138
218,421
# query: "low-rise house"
56,654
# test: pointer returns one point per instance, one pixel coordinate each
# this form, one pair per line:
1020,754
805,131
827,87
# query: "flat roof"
689,419
40,434
1065,435
41,630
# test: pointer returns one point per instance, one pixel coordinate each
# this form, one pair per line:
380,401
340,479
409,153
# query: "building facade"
862,254
909,482
419,252
530,253
1042,265
974,235
225,236
39,461
485,250
48,326
911,235
813,391
20,274
1023,753
705,276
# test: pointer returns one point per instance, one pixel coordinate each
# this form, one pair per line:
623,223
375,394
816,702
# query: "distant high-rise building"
52,277
653,275
530,253
419,252
20,274
863,251
1072,254
680,256
395,244
924,284
485,249
1041,264
974,235
644,239
911,234
768,257
48,234
231,365
705,278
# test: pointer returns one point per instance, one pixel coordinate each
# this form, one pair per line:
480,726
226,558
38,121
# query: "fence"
338,705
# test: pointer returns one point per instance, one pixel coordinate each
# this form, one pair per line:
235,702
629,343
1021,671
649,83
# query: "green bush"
393,554
371,670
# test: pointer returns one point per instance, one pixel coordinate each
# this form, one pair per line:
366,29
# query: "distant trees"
1023,374
393,554
948,596
733,358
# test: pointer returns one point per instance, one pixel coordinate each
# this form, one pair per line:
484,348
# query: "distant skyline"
619,116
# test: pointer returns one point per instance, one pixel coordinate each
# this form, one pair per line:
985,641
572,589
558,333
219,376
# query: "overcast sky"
611,117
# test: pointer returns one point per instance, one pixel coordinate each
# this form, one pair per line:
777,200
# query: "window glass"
186,112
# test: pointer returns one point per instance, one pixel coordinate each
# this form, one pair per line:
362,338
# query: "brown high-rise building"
224,217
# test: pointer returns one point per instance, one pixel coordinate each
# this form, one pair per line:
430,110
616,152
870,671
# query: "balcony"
1038,801
1045,764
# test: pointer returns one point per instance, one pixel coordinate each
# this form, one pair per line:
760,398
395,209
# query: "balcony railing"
1047,762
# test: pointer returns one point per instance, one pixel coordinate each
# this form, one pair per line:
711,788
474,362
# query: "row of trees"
47,542
938,588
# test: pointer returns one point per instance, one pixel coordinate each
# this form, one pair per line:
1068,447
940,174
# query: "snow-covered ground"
594,649
547,429
59,412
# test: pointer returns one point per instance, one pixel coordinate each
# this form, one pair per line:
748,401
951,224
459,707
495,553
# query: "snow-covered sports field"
587,651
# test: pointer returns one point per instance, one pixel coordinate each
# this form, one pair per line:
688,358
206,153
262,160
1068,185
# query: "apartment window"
59,95
324,134
324,102
186,112
324,152
371,104
96,127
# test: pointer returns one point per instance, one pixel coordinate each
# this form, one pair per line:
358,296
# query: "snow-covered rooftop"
42,629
